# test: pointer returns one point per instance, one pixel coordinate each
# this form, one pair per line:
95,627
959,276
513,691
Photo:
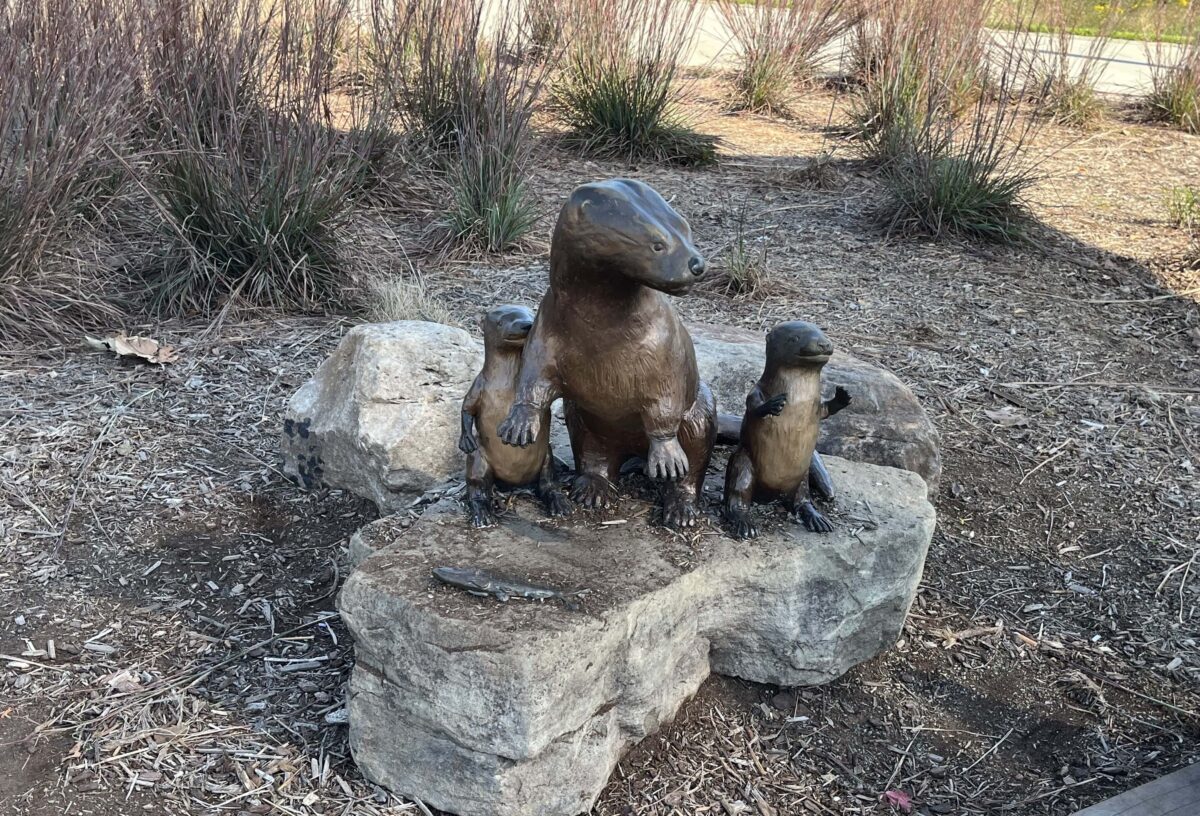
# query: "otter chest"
782,446
512,465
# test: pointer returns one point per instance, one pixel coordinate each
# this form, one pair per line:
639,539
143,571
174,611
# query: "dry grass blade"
68,79
781,43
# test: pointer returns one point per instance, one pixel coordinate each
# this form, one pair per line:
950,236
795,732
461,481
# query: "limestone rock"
380,418
884,424
522,708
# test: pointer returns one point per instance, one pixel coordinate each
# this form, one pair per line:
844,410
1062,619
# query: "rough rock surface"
523,708
884,424
380,418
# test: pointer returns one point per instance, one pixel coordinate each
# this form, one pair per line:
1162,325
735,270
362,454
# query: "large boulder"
484,708
380,418
884,424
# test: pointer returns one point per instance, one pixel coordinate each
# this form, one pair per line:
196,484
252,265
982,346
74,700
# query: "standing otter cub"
779,432
609,341
488,401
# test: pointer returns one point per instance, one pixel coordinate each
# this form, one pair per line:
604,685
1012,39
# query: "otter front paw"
741,524
467,443
666,460
521,427
593,492
774,406
480,512
680,511
557,503
806,514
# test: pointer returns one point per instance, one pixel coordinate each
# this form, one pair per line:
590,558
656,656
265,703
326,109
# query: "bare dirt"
1051,657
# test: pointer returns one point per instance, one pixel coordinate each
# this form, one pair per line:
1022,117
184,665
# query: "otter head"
797,344
506,327
624,229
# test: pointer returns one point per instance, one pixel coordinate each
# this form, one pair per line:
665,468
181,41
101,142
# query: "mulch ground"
167,627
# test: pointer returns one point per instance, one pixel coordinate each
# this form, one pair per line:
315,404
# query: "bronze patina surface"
487,403
779,430
609,341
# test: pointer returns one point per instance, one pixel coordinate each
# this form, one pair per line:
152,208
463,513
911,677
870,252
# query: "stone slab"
483,708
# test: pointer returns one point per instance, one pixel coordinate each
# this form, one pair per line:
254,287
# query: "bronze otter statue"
505,330
608,340
779,430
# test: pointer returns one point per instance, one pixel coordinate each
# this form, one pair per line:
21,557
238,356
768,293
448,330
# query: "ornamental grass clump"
253,178
1069,68
915,62
68,81
616,91
781,44
949,169
465,94
1175,74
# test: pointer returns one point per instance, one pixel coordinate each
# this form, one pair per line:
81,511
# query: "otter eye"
658,246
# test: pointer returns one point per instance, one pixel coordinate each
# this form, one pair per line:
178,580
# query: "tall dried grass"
466,94
253,176
782,43
68,75
1070,67
617,90
1175,72
941,109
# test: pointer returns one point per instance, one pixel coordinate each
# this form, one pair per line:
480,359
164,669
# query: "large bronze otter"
487,403
779,430
608,340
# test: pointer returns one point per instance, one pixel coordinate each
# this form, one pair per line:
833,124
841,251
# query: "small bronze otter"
779,431
608,340
488,401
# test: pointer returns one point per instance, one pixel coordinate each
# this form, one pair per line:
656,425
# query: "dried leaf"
1007,416
143,348
899,799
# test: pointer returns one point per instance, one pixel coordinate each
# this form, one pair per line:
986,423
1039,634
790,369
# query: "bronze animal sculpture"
779,431
608,340
505,330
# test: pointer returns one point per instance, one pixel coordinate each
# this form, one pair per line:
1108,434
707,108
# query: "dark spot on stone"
303,428
289,427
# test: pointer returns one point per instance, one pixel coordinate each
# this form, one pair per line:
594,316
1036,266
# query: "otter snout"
522,326
819,347
696,265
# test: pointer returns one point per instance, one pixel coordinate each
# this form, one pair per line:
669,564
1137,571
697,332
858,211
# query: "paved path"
1126,67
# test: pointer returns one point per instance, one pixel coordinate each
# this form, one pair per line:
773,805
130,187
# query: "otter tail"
729,428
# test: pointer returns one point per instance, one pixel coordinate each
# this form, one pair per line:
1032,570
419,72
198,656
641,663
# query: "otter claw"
557,504
467,443
742,526
520,428
666,460
593,492
481,513
680,514
808,515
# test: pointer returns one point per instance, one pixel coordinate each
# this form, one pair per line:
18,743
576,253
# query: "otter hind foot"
557,503
480,511
593,492
666,460
741,523
680,510
808,515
